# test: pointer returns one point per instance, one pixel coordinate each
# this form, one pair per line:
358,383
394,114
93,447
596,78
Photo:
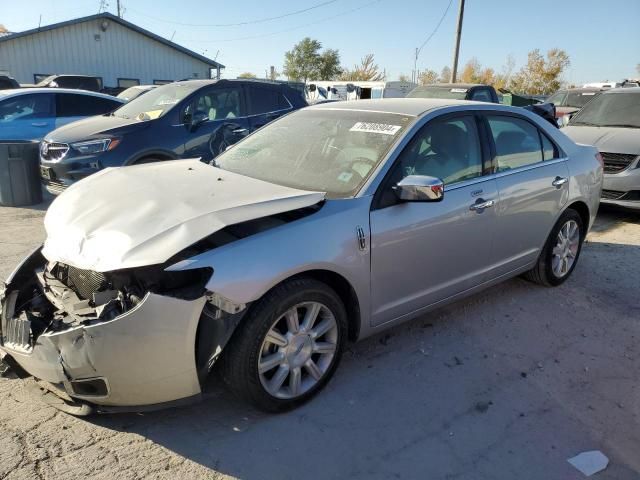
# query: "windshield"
557,98
156,102
580,99
131,93
611,110
438,92
332,151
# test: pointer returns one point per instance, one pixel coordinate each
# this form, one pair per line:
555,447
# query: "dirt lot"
505,385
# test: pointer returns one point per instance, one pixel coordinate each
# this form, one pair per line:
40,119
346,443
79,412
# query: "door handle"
481,204
240,131
39,124
559,181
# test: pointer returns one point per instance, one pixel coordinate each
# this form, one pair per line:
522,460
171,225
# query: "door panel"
527,168
422,253
27,117
529,205
265,105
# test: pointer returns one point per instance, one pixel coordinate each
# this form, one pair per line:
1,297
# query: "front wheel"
288,347
560,254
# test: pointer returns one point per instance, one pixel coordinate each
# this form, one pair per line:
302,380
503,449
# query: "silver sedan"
329,225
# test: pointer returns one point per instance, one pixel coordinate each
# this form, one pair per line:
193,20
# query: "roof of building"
124,23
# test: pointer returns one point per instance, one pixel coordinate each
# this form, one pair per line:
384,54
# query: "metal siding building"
101,45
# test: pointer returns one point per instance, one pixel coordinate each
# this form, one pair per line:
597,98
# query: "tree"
367,71
247,75
471,71
3,29
445,75
541,76
427,77
404,78
304,62
329,68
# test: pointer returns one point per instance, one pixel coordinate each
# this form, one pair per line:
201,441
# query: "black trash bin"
19,173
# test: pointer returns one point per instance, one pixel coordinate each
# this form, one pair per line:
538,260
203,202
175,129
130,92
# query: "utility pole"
119,11
456,49
414,76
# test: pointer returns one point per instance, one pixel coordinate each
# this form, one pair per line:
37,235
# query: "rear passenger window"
517,142
264,100
78,105
482,95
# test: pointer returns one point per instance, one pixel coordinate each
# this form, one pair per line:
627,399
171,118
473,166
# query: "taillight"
600,159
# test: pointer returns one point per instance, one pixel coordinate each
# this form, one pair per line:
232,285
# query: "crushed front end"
125,339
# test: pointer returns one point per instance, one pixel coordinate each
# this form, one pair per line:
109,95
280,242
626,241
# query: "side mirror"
419,188
198,119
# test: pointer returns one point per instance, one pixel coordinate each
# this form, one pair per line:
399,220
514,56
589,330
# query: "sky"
602,40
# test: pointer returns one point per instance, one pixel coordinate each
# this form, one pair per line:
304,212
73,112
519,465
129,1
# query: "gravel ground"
505,385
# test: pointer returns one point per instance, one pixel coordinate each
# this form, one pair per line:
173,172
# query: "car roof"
583,89
452,85
610,91
403,106
26,91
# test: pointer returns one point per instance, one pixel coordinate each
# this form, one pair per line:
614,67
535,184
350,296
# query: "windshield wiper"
621,125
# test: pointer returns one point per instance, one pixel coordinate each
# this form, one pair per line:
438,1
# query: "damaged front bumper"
140,359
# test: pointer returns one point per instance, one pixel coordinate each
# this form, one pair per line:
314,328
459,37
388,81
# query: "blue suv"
190,119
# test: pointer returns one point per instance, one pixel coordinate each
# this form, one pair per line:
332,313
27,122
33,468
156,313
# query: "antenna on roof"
40,21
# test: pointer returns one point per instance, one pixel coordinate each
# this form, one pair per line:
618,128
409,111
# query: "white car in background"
611,122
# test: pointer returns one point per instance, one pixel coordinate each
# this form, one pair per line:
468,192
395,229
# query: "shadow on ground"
507,384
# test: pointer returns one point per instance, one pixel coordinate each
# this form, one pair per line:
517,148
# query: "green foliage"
541,76
247,75
305,62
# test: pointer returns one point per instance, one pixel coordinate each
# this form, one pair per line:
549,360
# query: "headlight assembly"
95,146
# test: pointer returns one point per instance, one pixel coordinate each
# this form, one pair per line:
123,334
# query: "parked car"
29,114
197,118
568,101
78,82
456,91
611,122
8,83
332,223
134,92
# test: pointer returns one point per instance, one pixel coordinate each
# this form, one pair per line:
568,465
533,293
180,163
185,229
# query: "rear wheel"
288,347
560,254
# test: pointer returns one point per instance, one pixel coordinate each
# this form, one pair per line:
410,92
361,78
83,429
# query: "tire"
250,346
544,273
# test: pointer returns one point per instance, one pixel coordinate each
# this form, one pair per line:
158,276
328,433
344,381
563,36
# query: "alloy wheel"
298,350
566,249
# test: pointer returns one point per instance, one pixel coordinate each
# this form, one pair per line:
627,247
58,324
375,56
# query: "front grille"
52,151
17,333
616,162
612,194
84,282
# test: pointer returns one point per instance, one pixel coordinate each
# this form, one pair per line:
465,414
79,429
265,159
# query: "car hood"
606,139
94,127
144,214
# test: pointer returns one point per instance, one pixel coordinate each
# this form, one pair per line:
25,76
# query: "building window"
162,82
38,77
128,82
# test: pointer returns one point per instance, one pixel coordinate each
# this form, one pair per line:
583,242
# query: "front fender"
246,269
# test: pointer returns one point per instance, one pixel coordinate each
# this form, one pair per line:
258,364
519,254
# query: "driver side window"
445,148
448,149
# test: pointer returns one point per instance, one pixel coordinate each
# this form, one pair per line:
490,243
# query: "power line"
284,31
437,27
418,50
248,22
